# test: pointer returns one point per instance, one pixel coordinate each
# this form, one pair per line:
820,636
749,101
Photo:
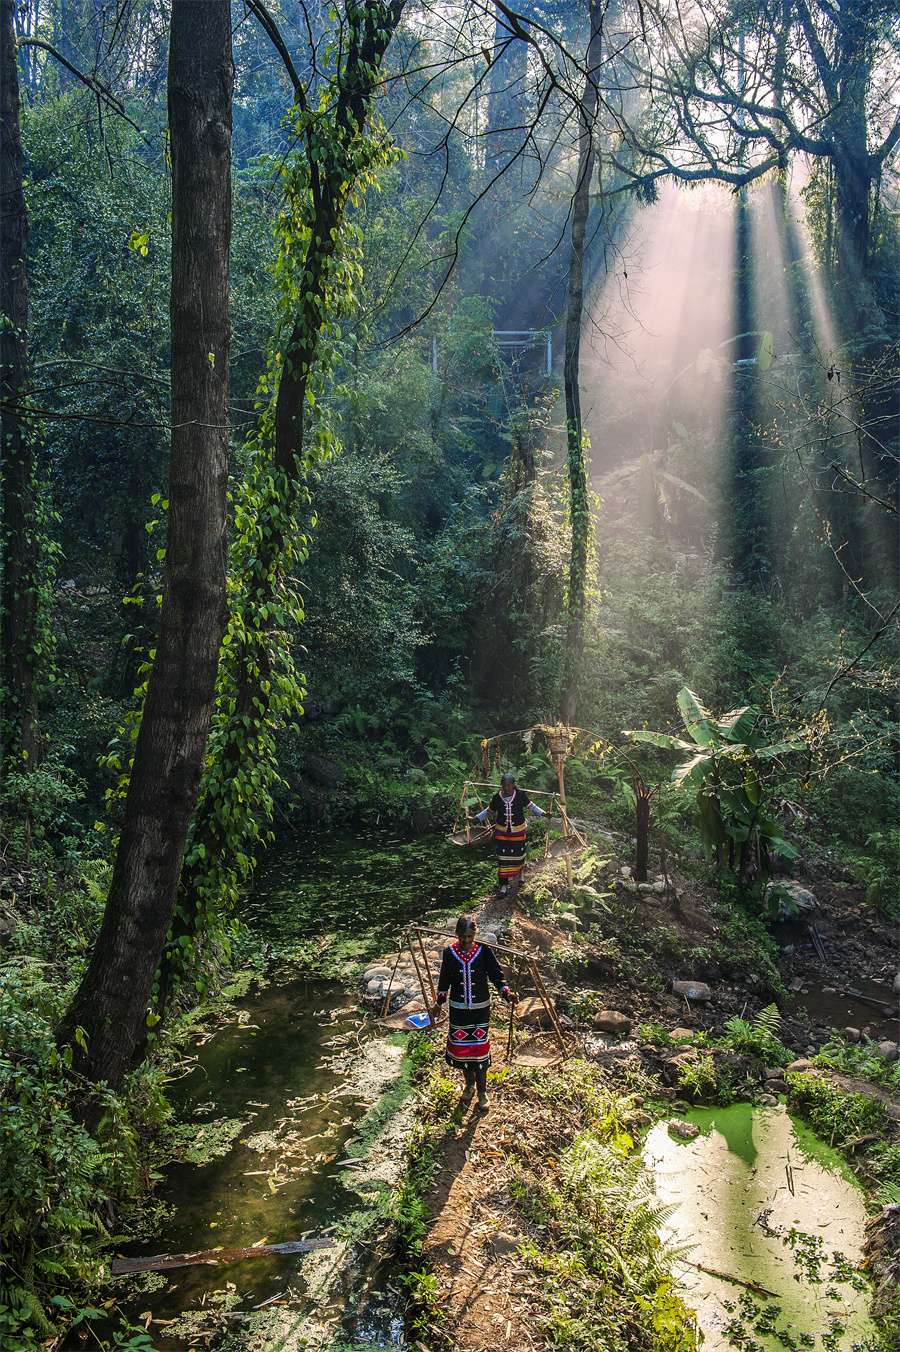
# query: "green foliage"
861,1059
758,1037
38,805
879,870
729,775
744,949
834,1114
605,1273
698,1079
53,1174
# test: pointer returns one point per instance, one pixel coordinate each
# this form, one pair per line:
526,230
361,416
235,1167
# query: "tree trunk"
579,509
853,171
506,97
18,530
111,1003
642,830
227,826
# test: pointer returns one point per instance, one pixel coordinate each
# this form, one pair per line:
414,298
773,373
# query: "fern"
759,1038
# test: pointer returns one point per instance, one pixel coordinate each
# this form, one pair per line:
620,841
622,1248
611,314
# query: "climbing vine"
318,265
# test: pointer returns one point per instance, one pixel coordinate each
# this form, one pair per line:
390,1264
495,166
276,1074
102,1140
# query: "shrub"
51,1170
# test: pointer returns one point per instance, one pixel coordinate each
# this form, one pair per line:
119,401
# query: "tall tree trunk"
18,532
111,1003
579,509
506,97
853,172
228,824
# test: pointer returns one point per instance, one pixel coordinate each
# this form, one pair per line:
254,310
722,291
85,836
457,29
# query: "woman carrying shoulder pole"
507,811
467,967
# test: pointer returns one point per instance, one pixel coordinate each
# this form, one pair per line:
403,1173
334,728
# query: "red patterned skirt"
468,1037
511,845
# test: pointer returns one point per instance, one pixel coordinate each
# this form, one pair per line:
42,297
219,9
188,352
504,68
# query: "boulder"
376,973
683,1131
769,1100
788,899
693,990
888,1050
612,1021
681,1034
776,1086
531,1013
852,1034
375,986
799,1066
773,1073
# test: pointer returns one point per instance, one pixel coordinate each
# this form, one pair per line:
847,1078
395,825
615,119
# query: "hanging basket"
479,836
560,740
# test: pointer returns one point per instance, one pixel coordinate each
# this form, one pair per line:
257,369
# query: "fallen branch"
735,1281
162,1262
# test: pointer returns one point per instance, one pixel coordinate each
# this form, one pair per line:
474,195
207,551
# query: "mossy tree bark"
18,535
112,1000
227,826
579,508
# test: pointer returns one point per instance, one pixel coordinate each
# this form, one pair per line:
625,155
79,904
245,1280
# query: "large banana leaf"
737,724
662,739
777,749
699,722
712,828
694,770
778,845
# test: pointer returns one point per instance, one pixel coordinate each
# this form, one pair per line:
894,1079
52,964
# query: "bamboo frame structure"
560,740
413,940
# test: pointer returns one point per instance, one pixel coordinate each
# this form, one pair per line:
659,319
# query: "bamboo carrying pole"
413,936
512,1015
559,760
387,999
425,964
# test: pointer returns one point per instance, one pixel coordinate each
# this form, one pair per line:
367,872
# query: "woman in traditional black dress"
466,968
507,809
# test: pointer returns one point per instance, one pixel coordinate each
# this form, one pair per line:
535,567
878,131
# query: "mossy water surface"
770,1223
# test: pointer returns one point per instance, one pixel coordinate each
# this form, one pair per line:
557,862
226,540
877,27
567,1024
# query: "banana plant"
729,765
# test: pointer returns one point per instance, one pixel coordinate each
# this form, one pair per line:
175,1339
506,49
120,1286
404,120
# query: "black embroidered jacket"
464,976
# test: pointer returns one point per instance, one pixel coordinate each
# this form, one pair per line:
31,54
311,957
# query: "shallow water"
359,891
756,1197
279,1095
836,1010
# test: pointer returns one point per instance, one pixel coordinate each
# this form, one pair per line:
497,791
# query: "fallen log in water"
161,1262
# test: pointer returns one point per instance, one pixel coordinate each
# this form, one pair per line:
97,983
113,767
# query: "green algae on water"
734,1124
758,1207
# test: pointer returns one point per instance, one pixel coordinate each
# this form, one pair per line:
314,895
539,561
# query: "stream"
272,1104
